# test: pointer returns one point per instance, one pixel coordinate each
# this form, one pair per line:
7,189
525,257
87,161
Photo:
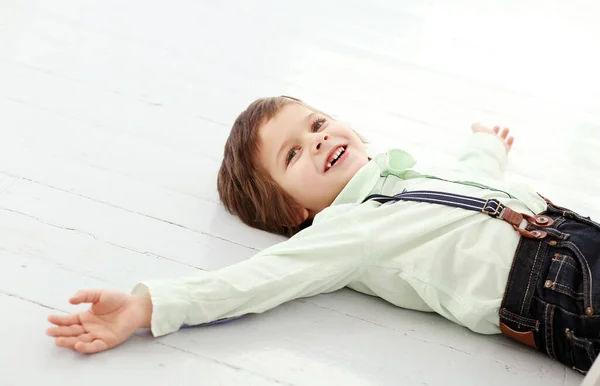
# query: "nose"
320,138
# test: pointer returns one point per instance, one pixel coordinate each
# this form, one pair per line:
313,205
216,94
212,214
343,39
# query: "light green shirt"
419,256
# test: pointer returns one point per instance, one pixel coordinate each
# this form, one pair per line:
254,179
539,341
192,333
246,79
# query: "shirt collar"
395,161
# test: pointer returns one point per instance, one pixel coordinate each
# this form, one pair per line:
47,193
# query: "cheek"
294,180
304,186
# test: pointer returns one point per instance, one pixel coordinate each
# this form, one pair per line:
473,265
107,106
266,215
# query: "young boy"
291,169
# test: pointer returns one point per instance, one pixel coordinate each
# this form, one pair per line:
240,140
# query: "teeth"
338,152
335,156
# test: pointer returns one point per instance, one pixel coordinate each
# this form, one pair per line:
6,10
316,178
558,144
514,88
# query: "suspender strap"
491,207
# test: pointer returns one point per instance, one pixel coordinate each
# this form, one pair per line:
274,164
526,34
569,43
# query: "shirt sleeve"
322,258
485,155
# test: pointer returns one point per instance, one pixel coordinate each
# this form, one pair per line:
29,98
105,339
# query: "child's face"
301,149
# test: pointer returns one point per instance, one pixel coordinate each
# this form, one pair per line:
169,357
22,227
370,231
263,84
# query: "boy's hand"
112,318
508,141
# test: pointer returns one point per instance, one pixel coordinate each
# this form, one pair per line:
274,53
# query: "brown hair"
245,188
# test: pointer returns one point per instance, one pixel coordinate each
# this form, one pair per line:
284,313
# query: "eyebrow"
284,144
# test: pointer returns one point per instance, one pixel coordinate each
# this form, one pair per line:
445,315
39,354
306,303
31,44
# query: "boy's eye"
290,156
317,124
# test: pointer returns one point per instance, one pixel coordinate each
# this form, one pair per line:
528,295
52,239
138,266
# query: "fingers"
64,331
91,347
86,296
70,342
509,143
64,320
501,133
84,343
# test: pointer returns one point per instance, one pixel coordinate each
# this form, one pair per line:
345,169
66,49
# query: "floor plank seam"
9,185
151,254
31,301
133,212
103,127
56,264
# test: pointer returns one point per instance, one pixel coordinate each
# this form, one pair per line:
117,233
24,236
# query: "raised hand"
503,136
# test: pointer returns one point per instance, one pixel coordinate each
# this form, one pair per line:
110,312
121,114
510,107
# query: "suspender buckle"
492,212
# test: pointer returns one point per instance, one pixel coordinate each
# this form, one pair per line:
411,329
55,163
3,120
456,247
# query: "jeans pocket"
583,351
565,276
570,274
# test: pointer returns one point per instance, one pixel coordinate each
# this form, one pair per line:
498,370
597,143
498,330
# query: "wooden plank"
144,198
112,225
82,252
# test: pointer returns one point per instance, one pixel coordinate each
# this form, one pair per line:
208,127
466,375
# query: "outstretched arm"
320,259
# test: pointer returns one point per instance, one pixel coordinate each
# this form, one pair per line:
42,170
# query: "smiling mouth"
335,156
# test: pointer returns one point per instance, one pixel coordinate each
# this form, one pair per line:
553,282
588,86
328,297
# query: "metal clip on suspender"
490,207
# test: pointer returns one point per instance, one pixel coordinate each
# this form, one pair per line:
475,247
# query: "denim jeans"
552,299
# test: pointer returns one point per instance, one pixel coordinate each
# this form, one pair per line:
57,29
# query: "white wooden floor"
113,116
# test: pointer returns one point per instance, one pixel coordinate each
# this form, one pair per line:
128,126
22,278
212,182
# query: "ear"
302,215
305,214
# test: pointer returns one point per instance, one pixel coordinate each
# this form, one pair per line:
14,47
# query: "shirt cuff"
493,146
489,142
169,305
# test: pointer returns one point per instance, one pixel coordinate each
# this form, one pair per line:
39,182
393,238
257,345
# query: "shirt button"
553,242
548,283
589,311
